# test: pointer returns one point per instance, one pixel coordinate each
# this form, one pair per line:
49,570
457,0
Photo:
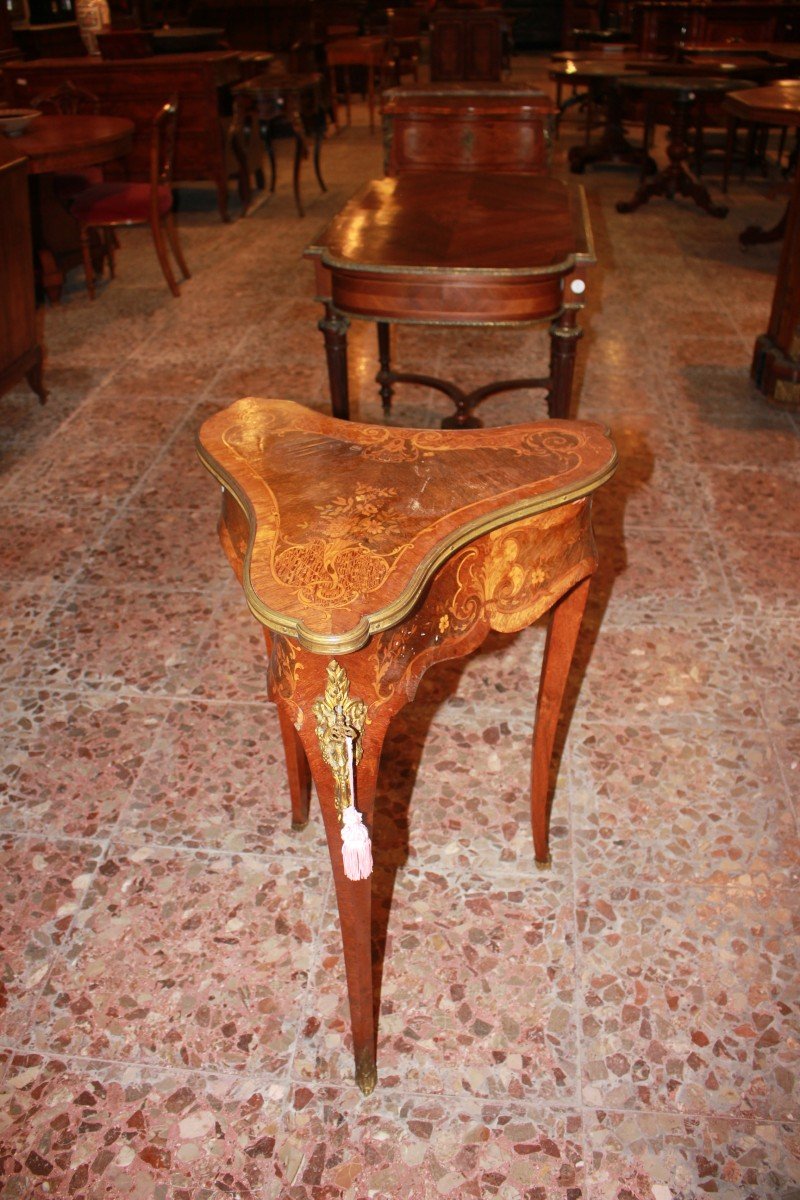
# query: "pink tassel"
356,846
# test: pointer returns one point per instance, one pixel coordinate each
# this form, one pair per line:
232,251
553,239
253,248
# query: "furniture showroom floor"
622,1027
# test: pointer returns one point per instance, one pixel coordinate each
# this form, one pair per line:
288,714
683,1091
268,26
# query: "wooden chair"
361,585
109,205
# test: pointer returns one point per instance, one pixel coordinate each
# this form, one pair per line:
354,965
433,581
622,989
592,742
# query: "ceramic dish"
14,121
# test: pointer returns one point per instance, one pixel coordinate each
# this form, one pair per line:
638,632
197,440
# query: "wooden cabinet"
463,127
137,88
660,25
20,351
466,44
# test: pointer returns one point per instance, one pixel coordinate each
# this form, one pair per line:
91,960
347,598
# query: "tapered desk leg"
564,334
334,329
565,623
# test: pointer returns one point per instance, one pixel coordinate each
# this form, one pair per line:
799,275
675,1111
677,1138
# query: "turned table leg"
384,376
562,635
334,329
564,334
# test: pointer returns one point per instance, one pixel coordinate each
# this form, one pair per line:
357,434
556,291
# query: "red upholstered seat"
106,205
119,203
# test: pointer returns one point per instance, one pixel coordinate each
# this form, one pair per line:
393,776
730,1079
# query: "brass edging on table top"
564,267
392,614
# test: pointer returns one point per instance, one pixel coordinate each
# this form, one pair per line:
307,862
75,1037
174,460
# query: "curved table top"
347,523
67,143
466,223
610,67
778,103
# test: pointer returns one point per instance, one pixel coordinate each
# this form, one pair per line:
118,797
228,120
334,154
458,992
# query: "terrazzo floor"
624,1027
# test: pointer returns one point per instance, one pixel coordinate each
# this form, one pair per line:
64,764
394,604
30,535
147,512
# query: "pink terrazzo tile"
91,1129
652,491
682,669
658,1156
339,1146
231,659
24,613
689,999
772,654
111,413
178,478
454,794
42,883
86,1129
169,545
44,547
762,570
753,501
76,472
651,574
117,640
658,804
182,959
493,1019
68,762
216,778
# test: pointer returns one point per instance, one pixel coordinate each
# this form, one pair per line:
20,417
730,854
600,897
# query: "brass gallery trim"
395,612
580,257
455,323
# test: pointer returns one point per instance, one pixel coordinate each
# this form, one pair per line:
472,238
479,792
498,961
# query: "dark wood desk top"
344,525
777,104
469,223
226,64
71,142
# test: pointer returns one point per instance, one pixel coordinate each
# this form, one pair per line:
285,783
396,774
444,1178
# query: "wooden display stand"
360,591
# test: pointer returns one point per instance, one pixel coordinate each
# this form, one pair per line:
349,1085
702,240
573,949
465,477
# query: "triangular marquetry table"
369,553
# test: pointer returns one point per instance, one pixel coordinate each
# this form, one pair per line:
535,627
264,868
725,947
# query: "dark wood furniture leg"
562,637
334,330
384,377
756,235
613,146
564,335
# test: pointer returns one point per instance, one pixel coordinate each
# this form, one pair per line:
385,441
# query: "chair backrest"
162,144
66,100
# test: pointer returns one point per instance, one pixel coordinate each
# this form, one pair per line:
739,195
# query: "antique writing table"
455,248
776,360
370,553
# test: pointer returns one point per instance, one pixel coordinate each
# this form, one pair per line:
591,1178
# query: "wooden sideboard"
466,44
20,351
659,26
136,89
467,127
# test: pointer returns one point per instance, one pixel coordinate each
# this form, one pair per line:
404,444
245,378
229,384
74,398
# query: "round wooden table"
685,92
57,145
602,78
69,143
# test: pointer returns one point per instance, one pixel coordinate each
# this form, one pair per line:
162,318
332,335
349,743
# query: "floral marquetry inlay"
347,522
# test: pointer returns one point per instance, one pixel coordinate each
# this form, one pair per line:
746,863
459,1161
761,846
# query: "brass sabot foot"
543,865
298,826
366,1074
